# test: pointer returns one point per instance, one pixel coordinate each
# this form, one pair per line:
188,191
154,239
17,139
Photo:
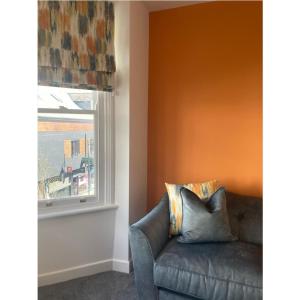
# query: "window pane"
53,97
66,155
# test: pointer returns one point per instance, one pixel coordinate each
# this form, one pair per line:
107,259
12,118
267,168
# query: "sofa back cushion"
245,216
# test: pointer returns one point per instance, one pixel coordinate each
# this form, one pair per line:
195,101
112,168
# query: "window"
74,147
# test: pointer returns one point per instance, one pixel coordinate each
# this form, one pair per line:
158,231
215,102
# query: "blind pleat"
76,44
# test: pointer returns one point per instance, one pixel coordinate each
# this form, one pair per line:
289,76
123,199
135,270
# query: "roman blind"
76,44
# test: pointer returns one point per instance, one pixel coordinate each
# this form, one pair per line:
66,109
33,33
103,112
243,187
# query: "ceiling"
161,5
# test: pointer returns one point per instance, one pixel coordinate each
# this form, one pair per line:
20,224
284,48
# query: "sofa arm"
147,238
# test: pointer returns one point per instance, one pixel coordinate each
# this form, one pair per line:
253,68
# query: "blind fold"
76,44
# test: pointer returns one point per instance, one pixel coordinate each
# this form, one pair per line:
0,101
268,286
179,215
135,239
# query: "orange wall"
205,96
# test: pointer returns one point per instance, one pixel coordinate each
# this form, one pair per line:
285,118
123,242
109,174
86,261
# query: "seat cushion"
211,271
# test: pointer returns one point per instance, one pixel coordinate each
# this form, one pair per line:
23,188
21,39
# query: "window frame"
103,197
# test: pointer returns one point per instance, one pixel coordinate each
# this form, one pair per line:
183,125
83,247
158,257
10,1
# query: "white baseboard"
75,272
84,270
121,265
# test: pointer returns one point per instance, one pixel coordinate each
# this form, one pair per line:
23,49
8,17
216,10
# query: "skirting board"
84,270
123,266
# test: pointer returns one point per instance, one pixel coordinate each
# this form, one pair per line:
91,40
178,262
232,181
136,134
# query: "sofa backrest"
245,215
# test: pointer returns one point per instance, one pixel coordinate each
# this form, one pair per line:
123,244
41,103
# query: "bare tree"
44,169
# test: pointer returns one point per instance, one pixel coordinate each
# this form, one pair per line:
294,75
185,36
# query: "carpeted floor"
104,286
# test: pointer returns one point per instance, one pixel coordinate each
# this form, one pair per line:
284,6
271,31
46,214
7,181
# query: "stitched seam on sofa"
193,295
180,293
211,277
190,294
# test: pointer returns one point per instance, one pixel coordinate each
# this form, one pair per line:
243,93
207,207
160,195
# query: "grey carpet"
104,286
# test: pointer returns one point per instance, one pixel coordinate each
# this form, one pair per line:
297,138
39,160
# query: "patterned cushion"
203,190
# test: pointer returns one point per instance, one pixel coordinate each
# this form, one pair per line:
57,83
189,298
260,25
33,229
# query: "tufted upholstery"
245,215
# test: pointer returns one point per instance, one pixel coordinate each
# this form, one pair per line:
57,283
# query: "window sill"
56,212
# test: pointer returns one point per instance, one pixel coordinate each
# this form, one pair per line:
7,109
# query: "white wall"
131,119
83,242
122,10
75,246
139,41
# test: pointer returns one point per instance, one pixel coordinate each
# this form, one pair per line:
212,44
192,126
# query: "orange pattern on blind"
75,39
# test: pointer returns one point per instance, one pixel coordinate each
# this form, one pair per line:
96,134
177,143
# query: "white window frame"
104,161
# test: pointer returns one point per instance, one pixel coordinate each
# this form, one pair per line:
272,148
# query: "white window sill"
55,212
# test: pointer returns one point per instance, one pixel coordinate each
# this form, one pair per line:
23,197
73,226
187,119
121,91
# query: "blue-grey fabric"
245,216
169,295
211,270
204,221
239,262
147,238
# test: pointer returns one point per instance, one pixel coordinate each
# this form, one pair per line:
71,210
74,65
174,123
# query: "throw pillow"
205,221
203,190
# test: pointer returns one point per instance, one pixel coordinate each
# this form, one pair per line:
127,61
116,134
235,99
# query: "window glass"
66,143
52,97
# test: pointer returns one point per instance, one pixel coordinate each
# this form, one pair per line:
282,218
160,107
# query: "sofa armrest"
147,238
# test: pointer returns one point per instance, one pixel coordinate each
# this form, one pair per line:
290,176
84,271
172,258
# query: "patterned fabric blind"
76,44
